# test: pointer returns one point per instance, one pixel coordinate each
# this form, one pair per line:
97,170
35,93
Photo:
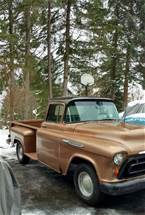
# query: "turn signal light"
116,171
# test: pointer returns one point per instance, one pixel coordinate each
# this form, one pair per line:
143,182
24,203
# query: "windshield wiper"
109,119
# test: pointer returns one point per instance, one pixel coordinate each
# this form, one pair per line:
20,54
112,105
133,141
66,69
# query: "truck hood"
113,136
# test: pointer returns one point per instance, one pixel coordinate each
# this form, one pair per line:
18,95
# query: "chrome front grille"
133,166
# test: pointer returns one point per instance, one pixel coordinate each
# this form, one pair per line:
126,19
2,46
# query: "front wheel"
22,158
87,184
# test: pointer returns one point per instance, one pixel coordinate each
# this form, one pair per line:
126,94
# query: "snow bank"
3,137
2,96
5,149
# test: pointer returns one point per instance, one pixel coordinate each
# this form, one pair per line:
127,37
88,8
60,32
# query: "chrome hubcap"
20,152
85,184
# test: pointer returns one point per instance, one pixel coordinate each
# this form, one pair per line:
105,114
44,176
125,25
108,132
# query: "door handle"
66,141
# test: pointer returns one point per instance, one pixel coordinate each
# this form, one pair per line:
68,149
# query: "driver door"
49,137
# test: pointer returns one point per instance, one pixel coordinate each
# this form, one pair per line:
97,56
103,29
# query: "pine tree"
11,64
140,67
49,50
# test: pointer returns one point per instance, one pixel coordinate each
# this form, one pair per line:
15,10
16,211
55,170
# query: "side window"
55,113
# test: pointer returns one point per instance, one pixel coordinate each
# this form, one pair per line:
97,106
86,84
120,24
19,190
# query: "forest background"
47,45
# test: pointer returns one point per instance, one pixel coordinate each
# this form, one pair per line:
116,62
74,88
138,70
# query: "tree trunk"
143,70
115,56
11,64
27,113
67,48
128,59
126,74
49,50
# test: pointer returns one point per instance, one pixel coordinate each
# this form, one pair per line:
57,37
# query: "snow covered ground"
9,154
2,96
5,149
3,136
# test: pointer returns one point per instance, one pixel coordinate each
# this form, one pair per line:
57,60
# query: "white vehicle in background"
134,113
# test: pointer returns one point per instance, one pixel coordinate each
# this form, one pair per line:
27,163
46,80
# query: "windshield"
96,110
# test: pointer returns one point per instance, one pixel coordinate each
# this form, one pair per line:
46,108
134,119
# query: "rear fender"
26,136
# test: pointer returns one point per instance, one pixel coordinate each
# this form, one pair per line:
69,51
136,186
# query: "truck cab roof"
66,100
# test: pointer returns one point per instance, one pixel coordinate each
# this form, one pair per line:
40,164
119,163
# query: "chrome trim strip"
142,152
73,143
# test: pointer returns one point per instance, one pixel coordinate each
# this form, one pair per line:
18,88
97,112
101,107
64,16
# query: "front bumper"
120,188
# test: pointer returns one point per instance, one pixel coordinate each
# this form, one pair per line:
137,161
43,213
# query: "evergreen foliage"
102,38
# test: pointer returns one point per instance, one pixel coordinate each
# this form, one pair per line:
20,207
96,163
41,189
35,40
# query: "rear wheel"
22,158
87,184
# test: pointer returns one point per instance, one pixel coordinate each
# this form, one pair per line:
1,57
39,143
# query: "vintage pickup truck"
107,156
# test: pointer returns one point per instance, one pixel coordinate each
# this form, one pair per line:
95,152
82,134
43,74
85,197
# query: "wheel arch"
19,140
78,159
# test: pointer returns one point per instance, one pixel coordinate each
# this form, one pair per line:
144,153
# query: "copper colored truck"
107,156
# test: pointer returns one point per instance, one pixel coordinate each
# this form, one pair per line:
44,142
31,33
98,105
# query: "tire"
22,158
87,185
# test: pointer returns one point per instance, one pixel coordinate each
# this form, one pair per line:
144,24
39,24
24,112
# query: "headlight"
119,158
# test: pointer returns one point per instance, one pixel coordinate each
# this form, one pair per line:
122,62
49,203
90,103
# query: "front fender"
81,158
